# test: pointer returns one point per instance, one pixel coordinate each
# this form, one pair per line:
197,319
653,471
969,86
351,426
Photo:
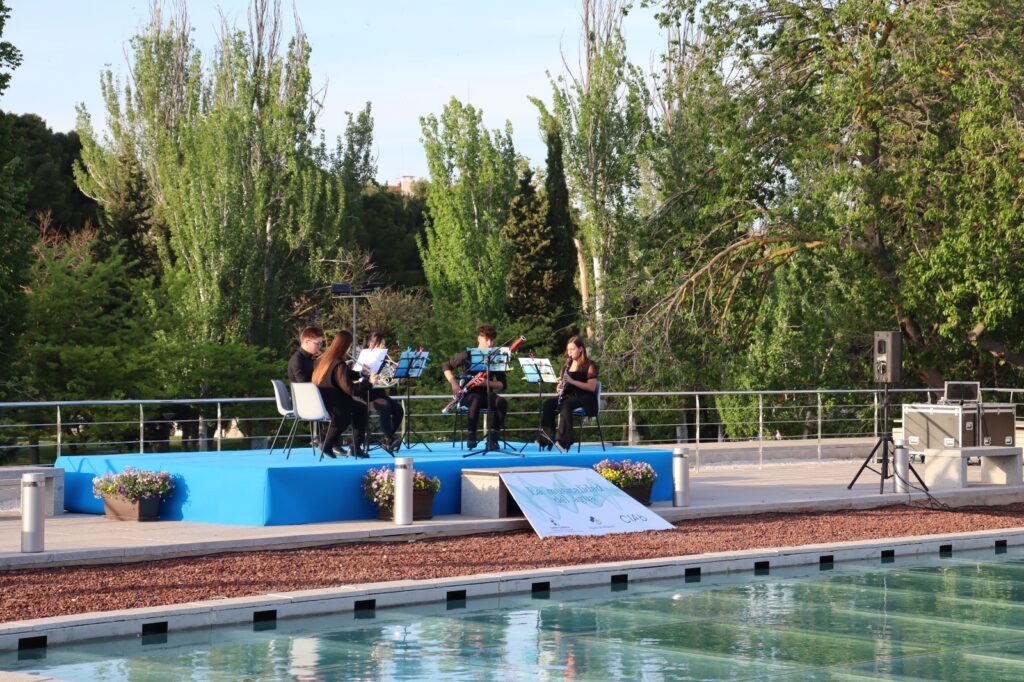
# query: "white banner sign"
578,502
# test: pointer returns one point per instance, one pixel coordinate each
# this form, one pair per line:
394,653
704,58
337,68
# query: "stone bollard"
403,491
680,478
33,512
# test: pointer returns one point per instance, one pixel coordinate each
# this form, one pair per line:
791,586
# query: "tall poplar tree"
235,176
472,181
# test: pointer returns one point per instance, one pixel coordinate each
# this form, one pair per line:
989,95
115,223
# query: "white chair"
284,408
582,414
309,407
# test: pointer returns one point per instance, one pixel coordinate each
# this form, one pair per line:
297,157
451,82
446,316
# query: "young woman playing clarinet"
576,389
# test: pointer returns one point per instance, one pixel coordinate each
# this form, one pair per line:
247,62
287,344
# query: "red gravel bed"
38,593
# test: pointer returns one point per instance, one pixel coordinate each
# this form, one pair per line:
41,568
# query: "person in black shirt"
336,381
576,389
300,366
475,398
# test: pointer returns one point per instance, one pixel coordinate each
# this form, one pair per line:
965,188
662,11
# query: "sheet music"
411,364
538,370
370,359
496,358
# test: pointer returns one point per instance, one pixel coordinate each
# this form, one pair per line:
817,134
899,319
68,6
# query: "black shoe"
562,447
492,440
329,453
338,452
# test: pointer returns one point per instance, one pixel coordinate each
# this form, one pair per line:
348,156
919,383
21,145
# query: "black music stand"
410,366
487,360
539,371
888,448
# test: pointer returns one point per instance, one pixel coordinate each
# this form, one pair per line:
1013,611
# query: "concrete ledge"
11,476
129,622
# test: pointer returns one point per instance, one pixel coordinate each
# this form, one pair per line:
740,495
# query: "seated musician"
475,397
389,410
337,384
576,389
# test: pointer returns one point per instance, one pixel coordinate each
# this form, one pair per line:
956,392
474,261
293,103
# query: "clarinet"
561,384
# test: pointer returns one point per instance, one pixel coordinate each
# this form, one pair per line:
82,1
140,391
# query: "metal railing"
42,431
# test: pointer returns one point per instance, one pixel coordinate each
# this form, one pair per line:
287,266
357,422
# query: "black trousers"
390,411
474,400
345,412
550,411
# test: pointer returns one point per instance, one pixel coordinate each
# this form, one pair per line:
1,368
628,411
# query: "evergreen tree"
565,296
15,235
532,272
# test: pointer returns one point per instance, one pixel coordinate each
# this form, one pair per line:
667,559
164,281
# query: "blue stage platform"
253,488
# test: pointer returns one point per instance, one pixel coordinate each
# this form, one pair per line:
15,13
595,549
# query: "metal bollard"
33,511
680,478
403,491
901,468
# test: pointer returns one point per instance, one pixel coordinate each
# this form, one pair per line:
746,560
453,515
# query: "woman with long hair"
336,382
575,390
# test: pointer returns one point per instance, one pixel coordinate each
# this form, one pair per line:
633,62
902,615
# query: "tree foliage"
884,140
235,178
15,235
472,181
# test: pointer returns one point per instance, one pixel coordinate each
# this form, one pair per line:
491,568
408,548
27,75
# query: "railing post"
760,431
696,449
631,434
819,427
142,432
876,413
220,429
59,437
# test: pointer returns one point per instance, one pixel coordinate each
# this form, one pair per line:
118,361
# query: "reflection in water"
941,619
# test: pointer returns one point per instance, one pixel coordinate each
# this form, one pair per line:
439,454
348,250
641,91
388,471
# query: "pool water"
952,618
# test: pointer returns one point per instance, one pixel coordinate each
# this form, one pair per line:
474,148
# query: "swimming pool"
955,617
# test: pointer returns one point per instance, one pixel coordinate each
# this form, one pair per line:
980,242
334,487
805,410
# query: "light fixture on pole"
346,291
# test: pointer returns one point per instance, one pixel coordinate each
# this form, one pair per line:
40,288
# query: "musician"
300,365
337,381
576,389
476,398
387,408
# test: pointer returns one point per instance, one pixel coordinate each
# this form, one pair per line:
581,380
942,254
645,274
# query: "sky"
407,58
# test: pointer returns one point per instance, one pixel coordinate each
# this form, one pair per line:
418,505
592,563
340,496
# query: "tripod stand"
410,366
887,446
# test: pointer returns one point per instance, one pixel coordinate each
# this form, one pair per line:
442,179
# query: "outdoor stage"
254,488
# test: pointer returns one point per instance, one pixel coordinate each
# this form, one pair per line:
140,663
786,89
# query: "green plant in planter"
625,473
379,485
133,485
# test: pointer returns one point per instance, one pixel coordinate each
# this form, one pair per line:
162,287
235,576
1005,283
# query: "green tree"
251,216
48,160
472,181
887,145
15,235
602,116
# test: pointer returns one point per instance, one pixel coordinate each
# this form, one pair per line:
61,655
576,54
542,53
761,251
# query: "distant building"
404,186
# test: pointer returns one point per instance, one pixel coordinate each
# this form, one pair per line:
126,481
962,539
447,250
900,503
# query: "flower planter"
640,493
422,507
120,509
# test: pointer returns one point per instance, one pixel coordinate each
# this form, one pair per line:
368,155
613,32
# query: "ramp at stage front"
254,488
